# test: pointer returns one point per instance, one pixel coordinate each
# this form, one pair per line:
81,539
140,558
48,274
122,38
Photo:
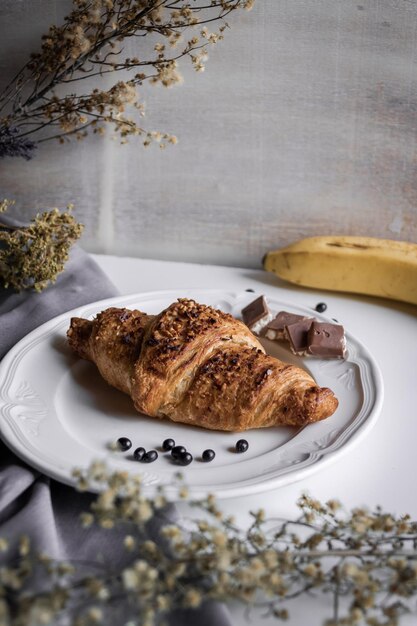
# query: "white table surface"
382,467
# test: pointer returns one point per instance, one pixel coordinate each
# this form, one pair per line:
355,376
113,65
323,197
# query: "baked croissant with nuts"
197,365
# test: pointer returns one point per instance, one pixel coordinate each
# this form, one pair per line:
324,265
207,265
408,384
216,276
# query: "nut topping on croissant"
200,366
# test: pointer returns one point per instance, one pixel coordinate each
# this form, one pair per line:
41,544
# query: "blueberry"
208,455
321,307
150,456
124,444
185,458
168,445
176,451
242,445
139,453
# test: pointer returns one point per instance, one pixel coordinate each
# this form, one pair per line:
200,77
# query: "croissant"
197,365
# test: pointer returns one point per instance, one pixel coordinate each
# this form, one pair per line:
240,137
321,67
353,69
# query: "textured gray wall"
304,123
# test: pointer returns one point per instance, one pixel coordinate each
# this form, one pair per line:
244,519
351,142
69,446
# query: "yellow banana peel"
365,265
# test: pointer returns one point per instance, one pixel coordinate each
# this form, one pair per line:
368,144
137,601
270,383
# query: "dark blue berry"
124,443
185,458
168,445
242,445
176,451
150,456
321,307
139,453
208,455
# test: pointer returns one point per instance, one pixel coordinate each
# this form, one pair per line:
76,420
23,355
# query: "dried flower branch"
366,560
90,43
32,256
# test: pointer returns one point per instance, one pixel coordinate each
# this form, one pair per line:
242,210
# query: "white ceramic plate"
57,413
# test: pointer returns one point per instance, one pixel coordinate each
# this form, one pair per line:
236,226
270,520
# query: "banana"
366,265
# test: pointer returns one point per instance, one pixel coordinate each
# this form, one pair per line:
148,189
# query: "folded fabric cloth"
31,503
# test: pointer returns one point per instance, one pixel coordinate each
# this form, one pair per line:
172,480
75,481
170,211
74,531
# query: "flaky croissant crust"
197,365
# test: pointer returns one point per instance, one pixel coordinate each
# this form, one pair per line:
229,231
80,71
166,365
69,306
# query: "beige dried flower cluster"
32,256
366,560
44,101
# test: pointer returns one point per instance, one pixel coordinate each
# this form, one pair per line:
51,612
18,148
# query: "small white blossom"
193,598
129,542
87,519
24,545
4,544
131,579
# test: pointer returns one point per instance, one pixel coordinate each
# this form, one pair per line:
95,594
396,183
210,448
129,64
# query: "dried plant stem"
367,558
88,45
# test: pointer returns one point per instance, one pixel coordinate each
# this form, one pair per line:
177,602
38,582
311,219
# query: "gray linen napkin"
31,503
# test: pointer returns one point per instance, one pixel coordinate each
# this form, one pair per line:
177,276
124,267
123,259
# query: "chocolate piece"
275,330
256,314
326,340
297,335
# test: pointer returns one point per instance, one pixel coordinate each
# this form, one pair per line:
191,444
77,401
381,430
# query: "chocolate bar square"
275,330
297,335
256,314
326,340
